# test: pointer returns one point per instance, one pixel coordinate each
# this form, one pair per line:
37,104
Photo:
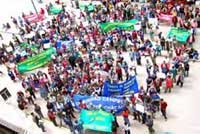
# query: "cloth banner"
55,10
21,50
107,103
67,44
33,18
165,17
97,120
35,61
127,87
181,35
127,25
26,45
90,7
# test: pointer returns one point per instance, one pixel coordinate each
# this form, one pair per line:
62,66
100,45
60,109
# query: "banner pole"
35,8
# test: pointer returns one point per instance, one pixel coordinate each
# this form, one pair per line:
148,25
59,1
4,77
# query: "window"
5,94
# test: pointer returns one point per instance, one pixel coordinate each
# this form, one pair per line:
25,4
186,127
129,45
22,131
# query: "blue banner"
107,103
125,88
59,43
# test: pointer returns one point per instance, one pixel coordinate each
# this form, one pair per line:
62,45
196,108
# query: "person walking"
148,67
126,128
37,110
144,118
138,58
67,120
149,124
119,73
29,97
180,79
169,84
163,107
38,121
125,115
11,75
115,124
31,91
60,116
78,127
165,67
52,117
186,68
114,127
174,72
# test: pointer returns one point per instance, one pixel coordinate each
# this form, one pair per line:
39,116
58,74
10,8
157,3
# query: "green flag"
90,7
35,61
97,120
126,25
181,35
55,10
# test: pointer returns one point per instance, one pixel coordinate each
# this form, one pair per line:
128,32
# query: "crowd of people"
94,57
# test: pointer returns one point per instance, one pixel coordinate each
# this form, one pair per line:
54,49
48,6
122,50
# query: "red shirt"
51,115
118,70
169,83
125,114
105,67
165,65
82,106
133,99
163,105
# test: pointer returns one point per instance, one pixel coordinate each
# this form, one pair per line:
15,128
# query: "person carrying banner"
68,122
78,127
114,128
82,105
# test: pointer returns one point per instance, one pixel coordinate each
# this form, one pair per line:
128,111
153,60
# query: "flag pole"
35,8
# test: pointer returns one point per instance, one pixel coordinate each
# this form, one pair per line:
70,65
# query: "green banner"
97,120
181,35
32,47
35,61
90,7
55,10
127,25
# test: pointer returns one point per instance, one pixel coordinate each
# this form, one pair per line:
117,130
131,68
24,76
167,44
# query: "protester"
38,122
29,97
150,124
180,79
163,107
78,127
86,56
52,117
126,128
37,110
169,84
125,115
